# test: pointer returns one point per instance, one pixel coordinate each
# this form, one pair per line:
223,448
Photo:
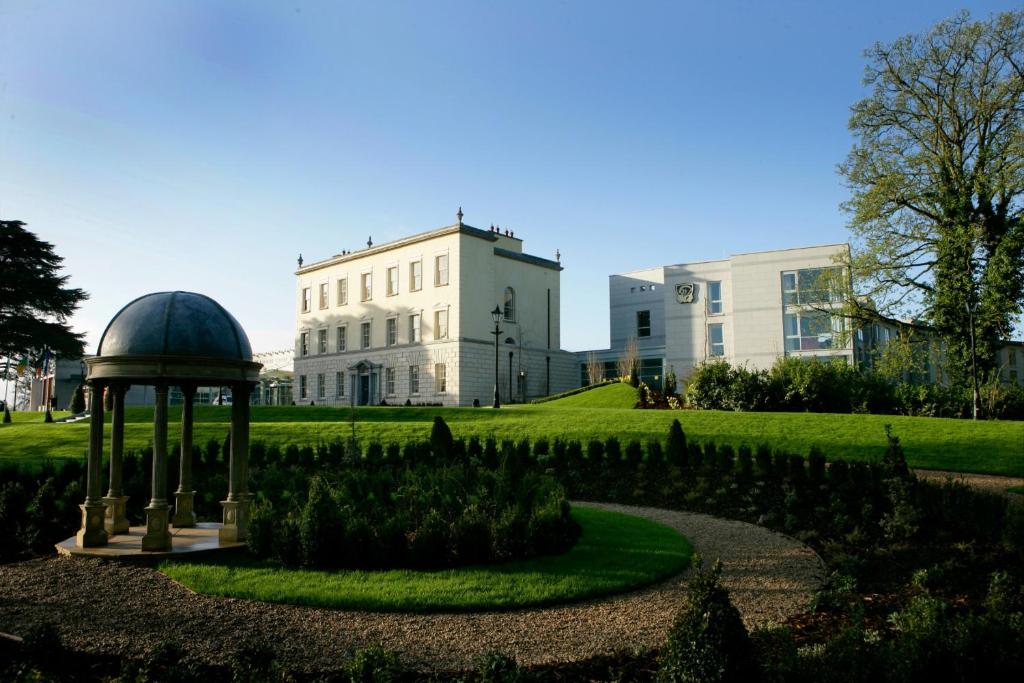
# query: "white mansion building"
411,320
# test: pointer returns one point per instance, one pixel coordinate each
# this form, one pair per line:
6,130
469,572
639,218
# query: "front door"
364,389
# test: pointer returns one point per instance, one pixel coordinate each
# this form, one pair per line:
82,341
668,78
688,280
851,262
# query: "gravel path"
116,609
992,483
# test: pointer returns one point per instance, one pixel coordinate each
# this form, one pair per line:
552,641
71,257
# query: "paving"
121,609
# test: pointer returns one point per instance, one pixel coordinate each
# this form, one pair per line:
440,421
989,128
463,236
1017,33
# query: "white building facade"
410,321
748,309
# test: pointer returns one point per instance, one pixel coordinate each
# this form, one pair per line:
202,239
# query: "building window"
716,340
364,330
389,381
391,327
321,386
414,379
510,304
415,276
343,291
392,280
321,341
306,302
366,286
810,330
323,295
650,371
342,340
643,323
714,298
441,270
440,324
1011,357
339,385
414,327
302,386
440,378
304,343
808,286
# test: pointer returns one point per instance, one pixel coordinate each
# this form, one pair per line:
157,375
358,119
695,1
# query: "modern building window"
323,295
650,371
321,341
343,291
808,286
441,270
321,386
415,276
364,335
304,343
441,324
306,301
716,340
643,323
414,327
302,386
714,298
414,379
510,304
389,381
342,340
392,280
339,385
366,286
391,327
440,378
811,330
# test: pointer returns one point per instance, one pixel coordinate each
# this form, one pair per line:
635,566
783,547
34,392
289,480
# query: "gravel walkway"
992,483
122,610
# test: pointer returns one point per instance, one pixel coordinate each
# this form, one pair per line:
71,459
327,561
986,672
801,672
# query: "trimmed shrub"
442,445
708,642
675,447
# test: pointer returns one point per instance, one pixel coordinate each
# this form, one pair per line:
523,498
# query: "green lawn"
616,553
989,447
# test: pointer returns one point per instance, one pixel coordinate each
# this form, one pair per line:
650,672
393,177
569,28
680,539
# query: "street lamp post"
511,395
496,316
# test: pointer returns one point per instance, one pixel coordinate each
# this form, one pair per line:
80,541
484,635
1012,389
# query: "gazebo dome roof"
175,324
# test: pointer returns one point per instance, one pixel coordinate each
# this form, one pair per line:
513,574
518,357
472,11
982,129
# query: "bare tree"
627,362
595,368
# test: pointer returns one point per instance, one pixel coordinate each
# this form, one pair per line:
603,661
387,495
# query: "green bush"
708,642
374,665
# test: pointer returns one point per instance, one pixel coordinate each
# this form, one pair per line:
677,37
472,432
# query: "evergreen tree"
35,301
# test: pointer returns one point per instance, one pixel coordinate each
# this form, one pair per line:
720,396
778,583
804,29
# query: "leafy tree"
35,302
78,400
937,174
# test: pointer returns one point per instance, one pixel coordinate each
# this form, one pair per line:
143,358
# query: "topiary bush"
708,642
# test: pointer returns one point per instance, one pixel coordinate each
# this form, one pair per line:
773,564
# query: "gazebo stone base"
158,536
236,521
116,521
92,534
184,515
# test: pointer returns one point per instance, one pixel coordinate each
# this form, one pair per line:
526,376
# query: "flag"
46,363
22,365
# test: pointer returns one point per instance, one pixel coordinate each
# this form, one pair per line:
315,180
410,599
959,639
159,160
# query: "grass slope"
616,553
986,446
612,396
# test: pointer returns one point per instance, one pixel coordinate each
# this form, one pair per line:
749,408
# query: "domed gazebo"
163,339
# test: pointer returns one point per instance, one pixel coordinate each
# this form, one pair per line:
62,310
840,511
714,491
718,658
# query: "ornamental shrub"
442,445
710,386
708,642
675,448
77,404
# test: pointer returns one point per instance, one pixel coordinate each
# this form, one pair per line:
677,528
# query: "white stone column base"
158,537
236,521
116,521
92,534
184,515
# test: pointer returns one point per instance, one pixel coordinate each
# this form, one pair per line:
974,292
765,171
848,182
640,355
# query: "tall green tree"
936,174
35,301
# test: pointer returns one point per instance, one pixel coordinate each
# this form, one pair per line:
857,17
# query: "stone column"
115,500
184,516
158,537
236,507
92,533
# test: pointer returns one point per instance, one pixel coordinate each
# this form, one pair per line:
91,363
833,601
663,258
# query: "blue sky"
203,145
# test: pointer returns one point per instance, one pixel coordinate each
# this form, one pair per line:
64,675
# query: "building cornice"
457,228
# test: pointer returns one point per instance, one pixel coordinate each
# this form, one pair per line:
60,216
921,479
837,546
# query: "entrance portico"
365,381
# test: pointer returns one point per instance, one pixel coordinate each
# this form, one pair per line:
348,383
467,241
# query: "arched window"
510,304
